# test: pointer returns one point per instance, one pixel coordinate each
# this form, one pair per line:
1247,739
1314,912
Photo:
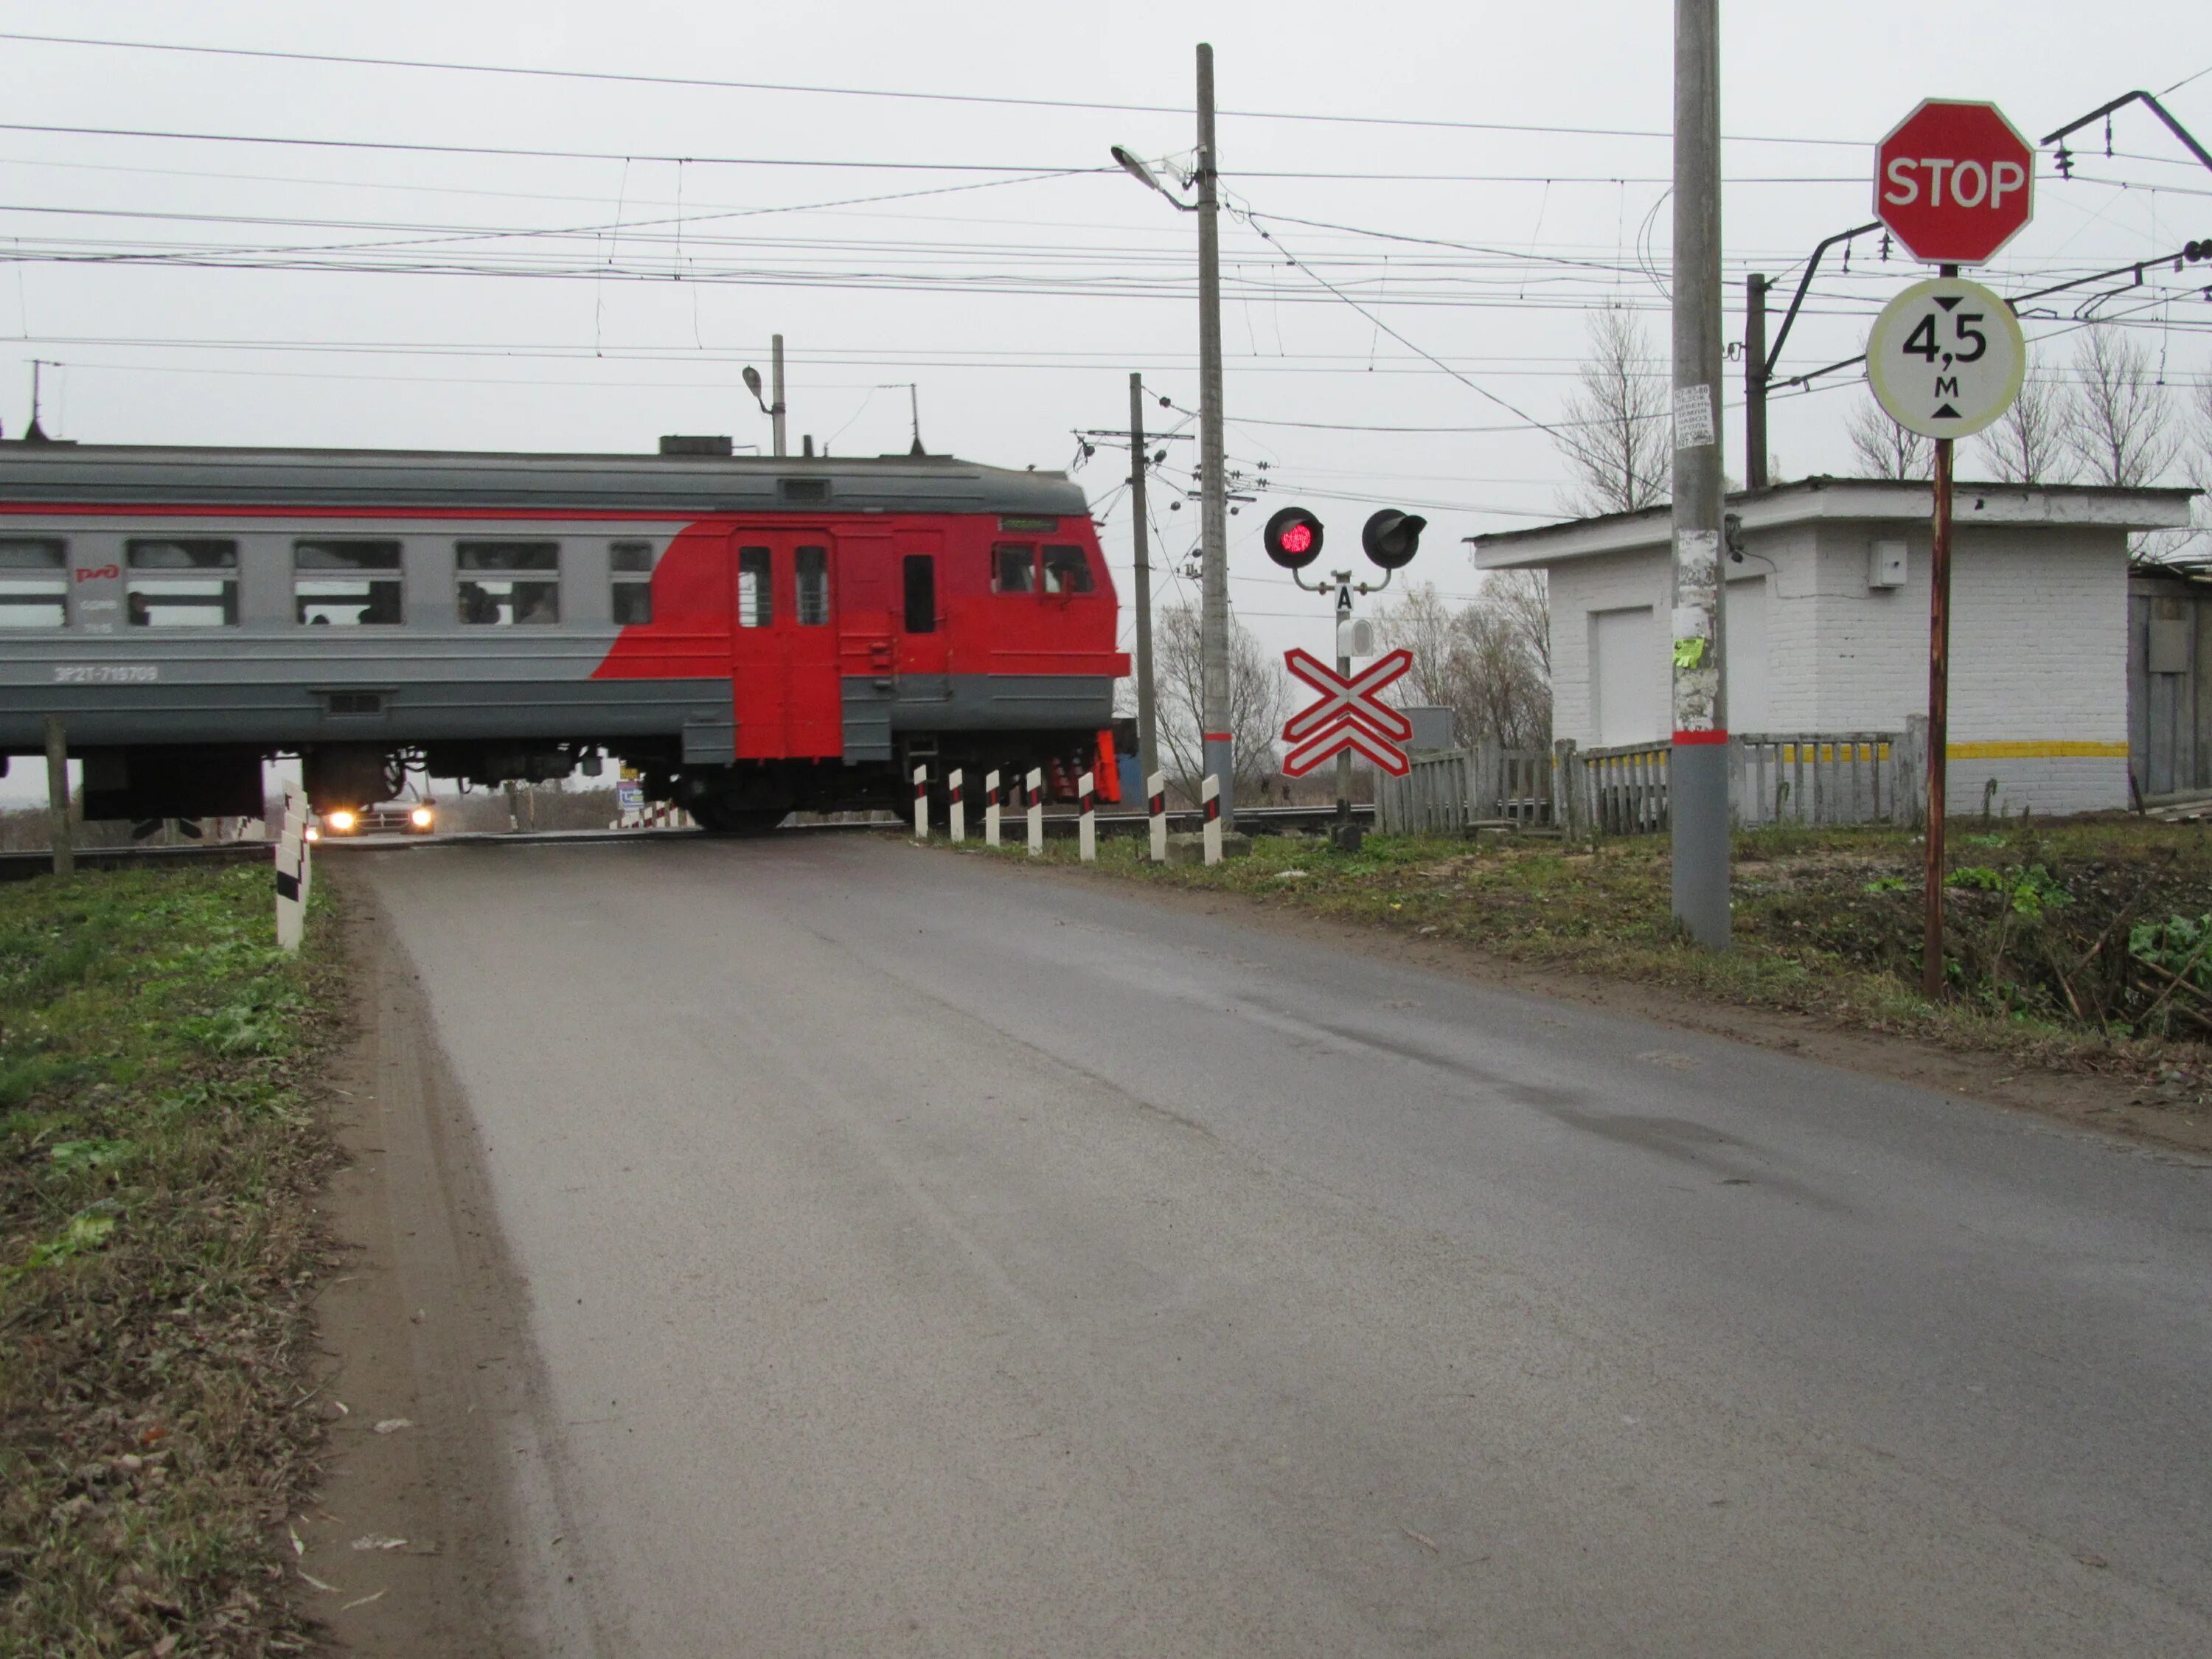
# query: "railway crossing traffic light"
1392,538
1293,538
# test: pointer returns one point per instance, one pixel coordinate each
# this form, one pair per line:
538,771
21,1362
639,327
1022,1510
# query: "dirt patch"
437,1530
2119,1105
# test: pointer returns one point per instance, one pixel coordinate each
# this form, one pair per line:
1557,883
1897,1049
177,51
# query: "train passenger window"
813,586
494,590
1014,567
1066,571
633,599
920,573
756,589
185,583
349,584
34,583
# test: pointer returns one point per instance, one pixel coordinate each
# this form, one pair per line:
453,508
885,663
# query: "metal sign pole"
1939,718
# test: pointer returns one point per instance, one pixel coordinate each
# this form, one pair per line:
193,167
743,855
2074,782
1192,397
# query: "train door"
783,649
918,599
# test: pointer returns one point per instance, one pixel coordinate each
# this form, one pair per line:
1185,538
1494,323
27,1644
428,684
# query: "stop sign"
1953,182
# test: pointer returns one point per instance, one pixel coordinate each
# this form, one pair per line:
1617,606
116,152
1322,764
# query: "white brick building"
1825,625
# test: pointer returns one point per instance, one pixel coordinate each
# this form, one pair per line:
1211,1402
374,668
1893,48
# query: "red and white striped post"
1037,813
1086,834
922,803
959,807
990,808
1211,792
1156,791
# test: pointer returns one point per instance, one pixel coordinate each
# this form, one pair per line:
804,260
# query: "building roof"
1861,499
123,475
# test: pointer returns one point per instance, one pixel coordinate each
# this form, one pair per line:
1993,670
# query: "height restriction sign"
1946,358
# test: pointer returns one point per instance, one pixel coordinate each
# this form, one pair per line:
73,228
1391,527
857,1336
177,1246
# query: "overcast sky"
1015,289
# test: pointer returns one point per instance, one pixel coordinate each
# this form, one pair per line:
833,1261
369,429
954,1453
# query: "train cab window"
920,575
186,583
34,583
814,566
510,584
630,565
347,584
1066,571
756,588
1014,567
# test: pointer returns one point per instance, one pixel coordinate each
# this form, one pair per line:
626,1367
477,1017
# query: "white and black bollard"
1036,796
1212,792
952,781
1156,803
922,803
990,808
1086,833
292,873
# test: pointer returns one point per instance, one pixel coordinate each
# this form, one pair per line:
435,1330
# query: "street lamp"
1218,741
774,411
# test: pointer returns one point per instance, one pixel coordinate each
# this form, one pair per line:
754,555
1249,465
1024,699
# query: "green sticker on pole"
1946,358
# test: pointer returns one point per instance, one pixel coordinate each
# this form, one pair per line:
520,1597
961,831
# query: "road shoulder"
437,1530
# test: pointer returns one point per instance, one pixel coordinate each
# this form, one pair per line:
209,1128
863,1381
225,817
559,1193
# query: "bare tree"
2028,445
1255,700
1488,662
1615,436
2119,422
1884,449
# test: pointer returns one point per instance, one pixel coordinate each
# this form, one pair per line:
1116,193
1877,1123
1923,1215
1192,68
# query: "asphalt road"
929,1257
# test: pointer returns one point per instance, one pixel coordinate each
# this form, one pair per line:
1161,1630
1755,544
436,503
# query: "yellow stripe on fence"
2055,749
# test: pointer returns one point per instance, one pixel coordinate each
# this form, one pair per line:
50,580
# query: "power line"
1002,100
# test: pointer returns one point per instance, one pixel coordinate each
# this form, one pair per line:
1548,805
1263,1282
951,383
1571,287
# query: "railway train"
753,634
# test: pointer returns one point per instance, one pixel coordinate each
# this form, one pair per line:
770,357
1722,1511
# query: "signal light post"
1390,538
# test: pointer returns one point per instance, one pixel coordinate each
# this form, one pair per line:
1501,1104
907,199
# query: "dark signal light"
1392,538
1292,539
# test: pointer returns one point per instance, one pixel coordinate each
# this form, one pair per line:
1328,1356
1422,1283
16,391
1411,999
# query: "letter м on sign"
1953,182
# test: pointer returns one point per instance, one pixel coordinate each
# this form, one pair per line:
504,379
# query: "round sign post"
1953,182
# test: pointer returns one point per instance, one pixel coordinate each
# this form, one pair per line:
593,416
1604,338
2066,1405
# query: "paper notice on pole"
1694,417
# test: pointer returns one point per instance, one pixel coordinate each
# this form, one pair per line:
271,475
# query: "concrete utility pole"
1698,780
1754,381
776,387
58,797
1148,731
1220,743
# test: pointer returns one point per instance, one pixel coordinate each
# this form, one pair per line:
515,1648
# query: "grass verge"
2080,945
157,1252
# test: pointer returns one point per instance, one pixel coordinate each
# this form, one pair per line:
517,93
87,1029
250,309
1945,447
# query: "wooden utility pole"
1148,732
58,797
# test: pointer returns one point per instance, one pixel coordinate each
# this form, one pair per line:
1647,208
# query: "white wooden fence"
1790,777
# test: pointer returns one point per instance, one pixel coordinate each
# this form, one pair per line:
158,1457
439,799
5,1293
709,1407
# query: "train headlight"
341,821
420,818
314,834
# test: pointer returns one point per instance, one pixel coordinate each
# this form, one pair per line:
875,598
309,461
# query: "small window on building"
508,584
182,584
34,583
1014,567
756,588
1065,570
921,573
347,584
813,564
630,565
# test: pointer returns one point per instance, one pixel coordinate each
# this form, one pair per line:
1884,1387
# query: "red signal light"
1297,539
1292,538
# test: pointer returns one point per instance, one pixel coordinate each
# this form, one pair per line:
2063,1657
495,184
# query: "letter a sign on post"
1348,715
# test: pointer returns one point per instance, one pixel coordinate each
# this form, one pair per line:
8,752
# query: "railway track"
24,866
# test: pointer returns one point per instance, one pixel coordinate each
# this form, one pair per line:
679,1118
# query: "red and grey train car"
754,634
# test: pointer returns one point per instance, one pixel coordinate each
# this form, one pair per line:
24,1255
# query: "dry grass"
157,1251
